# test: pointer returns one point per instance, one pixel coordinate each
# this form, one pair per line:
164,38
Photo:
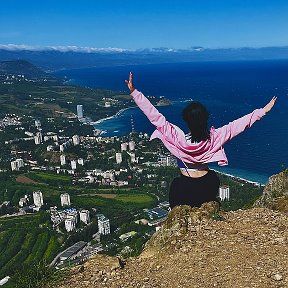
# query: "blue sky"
145,24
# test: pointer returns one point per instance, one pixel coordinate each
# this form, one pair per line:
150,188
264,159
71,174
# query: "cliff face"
200,247
275,194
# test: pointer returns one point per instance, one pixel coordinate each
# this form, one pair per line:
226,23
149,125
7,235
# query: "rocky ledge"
200,247
275,194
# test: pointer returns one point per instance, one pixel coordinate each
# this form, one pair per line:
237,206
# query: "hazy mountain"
55,58
23,67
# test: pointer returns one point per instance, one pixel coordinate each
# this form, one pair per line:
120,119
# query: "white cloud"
14,47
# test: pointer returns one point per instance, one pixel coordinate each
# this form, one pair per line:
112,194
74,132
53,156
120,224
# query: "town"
100,163
68,191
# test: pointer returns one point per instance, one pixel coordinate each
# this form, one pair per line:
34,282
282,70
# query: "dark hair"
196,117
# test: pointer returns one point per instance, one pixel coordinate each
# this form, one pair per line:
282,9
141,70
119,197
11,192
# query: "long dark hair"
196,117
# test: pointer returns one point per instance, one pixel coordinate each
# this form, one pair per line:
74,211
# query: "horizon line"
85,49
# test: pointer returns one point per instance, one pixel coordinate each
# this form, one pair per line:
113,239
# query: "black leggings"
194,191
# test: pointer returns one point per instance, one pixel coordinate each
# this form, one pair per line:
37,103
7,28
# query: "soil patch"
109,196
25,180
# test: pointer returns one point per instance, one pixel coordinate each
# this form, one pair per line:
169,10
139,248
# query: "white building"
65,199
84,216
132,157
124,147
20,162
118,158
80,111
62,160
73,164
107,104
164,160
131,145
80,161
61,148
14,166
70,223
108,174
37,123
38,198
103,225
76,140
38,138
23,201
49,148
224,193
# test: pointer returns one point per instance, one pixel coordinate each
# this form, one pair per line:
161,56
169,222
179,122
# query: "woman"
196,183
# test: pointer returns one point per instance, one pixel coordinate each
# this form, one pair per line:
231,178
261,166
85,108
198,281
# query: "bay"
229,90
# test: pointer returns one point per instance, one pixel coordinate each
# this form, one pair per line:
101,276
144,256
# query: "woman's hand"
270,105
130,83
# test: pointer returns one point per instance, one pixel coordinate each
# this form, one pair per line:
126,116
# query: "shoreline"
233,176
255,183
111,117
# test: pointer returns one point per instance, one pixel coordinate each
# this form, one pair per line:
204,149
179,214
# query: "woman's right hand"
270,105
130,83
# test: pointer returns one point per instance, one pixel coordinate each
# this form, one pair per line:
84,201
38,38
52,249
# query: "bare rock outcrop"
200,247
275,194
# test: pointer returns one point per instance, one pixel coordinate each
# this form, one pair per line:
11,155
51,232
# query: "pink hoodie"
202,152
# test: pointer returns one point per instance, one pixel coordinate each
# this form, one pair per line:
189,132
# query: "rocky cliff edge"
200,247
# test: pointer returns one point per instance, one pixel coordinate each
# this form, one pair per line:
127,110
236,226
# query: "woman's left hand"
130,83
270,105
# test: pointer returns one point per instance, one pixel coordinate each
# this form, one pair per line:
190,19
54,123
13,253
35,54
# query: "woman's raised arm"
232,129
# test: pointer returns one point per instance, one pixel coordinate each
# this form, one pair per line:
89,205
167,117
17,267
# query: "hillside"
203,247
22,67
244,248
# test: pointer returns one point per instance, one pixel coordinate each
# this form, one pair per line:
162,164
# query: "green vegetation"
37,274
24,240
143,200
49,178
242,195
50,99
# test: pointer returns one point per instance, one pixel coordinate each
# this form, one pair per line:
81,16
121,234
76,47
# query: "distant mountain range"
69,57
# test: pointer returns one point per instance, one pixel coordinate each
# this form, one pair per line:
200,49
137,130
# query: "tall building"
14,166
62,160
103,225
20,162
70,222
61,148
80,111
124,147
38,198
224,193
131,145
65,199
118,158
76,140
73,164
84,216
132,157
37,123
38,138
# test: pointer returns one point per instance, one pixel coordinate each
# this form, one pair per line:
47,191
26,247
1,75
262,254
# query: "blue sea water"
228,89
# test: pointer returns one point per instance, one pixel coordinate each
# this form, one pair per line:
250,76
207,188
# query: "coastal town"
78,192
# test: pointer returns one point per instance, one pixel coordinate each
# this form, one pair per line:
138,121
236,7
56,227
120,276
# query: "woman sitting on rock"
197,183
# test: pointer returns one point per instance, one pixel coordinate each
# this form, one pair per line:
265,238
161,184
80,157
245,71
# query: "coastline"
113,116
247,176
256,183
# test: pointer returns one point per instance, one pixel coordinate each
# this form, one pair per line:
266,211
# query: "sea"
229,90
